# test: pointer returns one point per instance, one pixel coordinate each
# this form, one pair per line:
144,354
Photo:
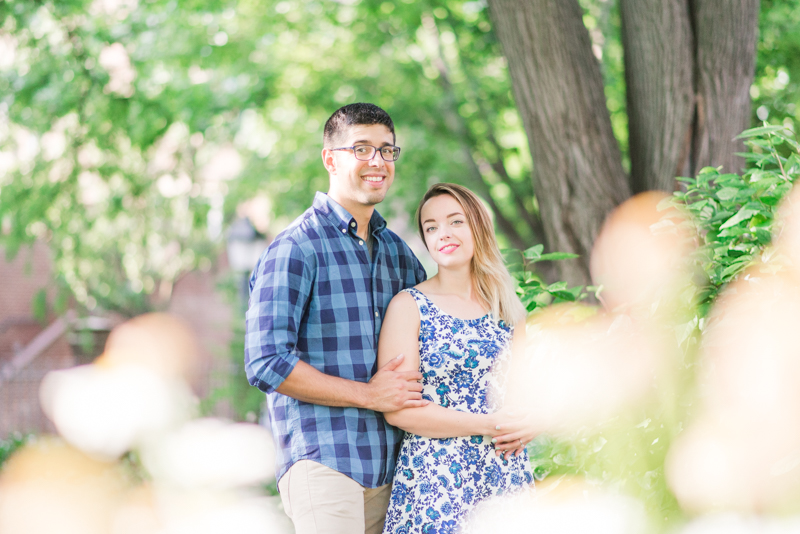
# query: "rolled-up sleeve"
279,291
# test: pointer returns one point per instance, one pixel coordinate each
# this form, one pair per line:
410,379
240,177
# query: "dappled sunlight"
133,458
114,58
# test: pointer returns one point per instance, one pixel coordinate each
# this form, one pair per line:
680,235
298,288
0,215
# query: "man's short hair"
353,114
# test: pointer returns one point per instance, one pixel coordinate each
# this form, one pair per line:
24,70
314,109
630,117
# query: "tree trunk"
578,175
658,41
725,33
689,65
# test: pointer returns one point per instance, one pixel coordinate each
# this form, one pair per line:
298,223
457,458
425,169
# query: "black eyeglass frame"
376,151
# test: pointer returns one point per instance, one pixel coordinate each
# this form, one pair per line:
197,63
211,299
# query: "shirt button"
353,224
377,314
360,242
344,230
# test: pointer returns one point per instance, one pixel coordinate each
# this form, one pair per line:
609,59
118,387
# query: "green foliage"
735,215
10,445
776,87
112,121
39,306
533,291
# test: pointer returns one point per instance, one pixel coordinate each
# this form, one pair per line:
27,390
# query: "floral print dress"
438,482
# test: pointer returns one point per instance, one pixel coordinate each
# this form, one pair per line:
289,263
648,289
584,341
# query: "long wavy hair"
493,282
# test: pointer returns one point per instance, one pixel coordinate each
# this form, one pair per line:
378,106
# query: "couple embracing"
385,389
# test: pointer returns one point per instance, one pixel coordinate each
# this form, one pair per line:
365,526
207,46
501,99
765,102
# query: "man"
317,298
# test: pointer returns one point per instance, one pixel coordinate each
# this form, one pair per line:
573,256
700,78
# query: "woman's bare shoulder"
403,301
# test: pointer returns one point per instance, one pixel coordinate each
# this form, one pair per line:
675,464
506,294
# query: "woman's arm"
400,335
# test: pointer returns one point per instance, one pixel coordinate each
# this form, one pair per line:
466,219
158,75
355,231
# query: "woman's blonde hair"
493,282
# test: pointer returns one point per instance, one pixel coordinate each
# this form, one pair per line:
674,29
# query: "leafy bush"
532,290
735,215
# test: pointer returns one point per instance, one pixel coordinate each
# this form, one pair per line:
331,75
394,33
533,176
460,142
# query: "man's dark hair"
351,114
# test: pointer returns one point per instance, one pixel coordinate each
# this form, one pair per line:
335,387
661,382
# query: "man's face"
356,183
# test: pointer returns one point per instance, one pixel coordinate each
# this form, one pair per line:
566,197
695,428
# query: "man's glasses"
367,152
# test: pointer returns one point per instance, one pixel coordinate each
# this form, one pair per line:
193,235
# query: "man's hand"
391,390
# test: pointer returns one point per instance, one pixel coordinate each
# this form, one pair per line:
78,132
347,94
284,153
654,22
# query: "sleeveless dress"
438,482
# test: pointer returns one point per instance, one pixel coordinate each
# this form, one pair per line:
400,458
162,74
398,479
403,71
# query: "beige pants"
320,500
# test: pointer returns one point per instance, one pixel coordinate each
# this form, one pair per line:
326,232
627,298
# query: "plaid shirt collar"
341,218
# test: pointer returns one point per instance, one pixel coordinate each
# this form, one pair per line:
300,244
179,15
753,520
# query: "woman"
457,329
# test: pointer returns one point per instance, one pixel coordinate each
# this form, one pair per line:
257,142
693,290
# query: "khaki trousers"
320,500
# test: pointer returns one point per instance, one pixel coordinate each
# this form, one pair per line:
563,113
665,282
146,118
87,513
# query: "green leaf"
734,268
742,215
757,132
558,286
533,253
563,295
727,193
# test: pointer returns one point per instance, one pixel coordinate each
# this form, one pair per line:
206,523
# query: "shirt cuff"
275,372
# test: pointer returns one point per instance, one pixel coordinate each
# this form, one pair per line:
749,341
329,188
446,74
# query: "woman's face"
447,233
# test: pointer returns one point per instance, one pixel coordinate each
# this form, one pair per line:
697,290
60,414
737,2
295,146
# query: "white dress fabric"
438,482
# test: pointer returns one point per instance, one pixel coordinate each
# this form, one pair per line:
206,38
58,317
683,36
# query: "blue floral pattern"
439,481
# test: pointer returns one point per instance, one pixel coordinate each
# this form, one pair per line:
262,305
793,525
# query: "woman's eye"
458,221
430,229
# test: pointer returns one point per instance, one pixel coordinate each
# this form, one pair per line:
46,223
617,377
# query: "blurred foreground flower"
201,476
563,506
640,256
738,524
584,365
108,411
743,450
212,453
49,486
579,371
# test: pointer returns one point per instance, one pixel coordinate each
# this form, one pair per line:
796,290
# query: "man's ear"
328,160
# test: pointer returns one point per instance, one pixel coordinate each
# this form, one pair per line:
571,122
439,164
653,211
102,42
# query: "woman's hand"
512,431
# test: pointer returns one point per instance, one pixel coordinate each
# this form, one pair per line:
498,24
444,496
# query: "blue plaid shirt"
316,296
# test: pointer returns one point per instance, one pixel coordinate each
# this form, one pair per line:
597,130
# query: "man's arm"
280,289
387,391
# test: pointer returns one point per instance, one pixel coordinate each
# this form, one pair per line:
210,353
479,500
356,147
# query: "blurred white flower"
212,453
640,255
741,452
739,524
50,487
578,371
211,512
106,411
578,509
